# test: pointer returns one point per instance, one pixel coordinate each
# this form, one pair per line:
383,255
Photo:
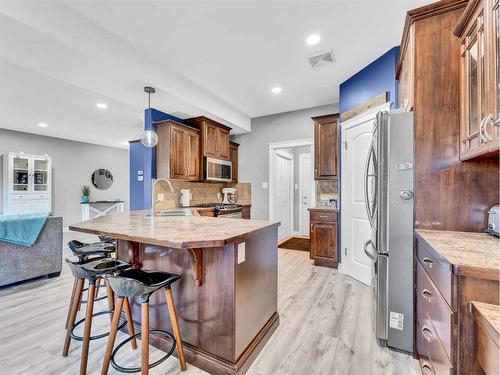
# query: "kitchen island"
227,298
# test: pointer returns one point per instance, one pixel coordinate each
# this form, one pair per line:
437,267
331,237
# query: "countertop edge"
461,270
180,245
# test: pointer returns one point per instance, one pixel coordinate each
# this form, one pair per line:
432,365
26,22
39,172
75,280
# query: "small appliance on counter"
229,195
494,221
185,198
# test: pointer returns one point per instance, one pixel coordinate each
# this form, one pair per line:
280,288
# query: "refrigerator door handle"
367,168
371,254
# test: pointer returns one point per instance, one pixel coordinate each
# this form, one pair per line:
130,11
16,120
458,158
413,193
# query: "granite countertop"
181,232
489,316
469,253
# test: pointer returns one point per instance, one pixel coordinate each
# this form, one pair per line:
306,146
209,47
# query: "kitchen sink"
172,213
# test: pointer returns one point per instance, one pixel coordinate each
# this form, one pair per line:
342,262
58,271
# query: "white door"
305,192
283,196
356,141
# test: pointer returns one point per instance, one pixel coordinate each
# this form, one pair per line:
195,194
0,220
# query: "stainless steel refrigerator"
389,204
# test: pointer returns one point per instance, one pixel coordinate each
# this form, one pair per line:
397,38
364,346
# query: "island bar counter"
226,300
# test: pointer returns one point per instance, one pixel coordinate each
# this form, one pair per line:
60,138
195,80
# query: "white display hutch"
27,183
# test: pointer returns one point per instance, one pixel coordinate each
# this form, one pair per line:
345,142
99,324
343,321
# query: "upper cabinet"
178,151
478,31
406,73
326,147
214,137
233,157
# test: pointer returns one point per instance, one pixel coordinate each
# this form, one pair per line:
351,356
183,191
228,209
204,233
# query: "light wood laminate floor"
325,328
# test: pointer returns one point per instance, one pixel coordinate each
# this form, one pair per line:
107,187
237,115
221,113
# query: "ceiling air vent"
323,58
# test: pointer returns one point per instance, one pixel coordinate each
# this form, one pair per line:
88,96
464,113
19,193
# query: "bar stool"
142,283
91,269
83,251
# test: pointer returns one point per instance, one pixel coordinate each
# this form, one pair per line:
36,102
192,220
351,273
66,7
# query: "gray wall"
72,165
253,153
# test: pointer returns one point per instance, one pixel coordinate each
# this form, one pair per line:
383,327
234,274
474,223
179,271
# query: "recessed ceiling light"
42,125
102,105
276,90
313,39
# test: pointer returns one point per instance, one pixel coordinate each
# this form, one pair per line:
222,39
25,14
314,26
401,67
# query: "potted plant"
85,194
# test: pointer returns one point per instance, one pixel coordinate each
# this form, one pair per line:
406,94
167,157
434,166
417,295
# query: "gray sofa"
19,263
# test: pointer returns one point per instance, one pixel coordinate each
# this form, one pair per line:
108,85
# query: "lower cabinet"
245,212
324,238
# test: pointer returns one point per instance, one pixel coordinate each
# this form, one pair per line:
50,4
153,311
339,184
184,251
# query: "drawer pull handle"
427,334
323,216
426,294
428,262
427,368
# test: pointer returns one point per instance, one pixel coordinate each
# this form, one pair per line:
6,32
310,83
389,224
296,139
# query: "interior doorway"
291,186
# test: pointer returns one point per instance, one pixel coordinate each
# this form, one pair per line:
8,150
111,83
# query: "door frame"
273,149
344,216
302,230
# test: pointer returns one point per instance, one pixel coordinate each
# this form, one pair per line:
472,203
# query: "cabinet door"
20,174
193,156
406,75
492,126
177,153
474,88
233,151
324,240
41,175
223,143
211,139
325,148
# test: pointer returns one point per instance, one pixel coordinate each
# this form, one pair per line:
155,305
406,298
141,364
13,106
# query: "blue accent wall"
144,159
375,78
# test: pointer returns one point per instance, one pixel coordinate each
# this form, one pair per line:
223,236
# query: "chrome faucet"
153,193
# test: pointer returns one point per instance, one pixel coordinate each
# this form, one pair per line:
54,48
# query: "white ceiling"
217,58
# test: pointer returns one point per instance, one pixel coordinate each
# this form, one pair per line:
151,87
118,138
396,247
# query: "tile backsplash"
326,188
201,192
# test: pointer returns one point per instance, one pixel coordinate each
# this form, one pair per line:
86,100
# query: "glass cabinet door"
475,86
20,174
40,175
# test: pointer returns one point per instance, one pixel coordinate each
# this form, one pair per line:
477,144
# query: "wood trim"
215,365
466,16
421,13
365,106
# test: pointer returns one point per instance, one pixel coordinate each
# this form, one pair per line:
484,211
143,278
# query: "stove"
224,209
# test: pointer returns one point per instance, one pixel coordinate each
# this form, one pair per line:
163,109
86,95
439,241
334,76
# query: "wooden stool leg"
80,302
87,330
175,327
145,338
97,286
71,303
130,323
112,336
74,310
111,297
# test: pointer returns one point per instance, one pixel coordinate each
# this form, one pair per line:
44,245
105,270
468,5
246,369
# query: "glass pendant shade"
149,138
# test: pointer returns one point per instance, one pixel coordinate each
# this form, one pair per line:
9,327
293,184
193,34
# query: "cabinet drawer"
323,216
430,303
438,269
430,351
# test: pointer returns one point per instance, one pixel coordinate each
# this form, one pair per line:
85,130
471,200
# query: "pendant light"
149,138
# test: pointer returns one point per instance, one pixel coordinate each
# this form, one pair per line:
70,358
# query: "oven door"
218,170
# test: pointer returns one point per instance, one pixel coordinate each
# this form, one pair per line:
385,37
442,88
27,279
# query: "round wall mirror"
102,179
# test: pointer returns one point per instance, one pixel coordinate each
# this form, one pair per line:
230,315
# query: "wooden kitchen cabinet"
178,151
233,157
324,237
326,147
479,79
214,137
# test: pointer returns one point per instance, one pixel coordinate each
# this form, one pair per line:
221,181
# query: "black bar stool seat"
85,250
140,283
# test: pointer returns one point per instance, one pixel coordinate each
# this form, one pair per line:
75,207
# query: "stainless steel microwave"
218,170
